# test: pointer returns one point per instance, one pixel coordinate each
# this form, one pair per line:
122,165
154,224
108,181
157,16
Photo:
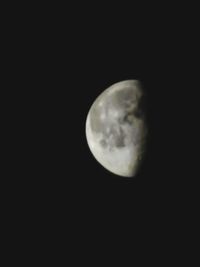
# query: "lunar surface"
116,129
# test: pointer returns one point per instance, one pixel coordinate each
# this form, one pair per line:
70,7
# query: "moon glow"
116,129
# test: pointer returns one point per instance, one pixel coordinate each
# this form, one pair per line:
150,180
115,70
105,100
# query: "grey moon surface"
116,129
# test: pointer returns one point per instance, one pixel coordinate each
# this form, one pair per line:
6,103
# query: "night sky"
74,60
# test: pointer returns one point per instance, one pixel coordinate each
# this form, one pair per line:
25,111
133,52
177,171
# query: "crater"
103,143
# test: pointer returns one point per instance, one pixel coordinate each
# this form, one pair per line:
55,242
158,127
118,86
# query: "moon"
116,129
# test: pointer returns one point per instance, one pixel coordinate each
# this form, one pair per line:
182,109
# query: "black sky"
76,62
70,56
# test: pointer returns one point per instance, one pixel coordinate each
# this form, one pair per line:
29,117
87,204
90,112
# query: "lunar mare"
116,129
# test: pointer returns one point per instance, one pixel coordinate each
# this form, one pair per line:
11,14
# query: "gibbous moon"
116,128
